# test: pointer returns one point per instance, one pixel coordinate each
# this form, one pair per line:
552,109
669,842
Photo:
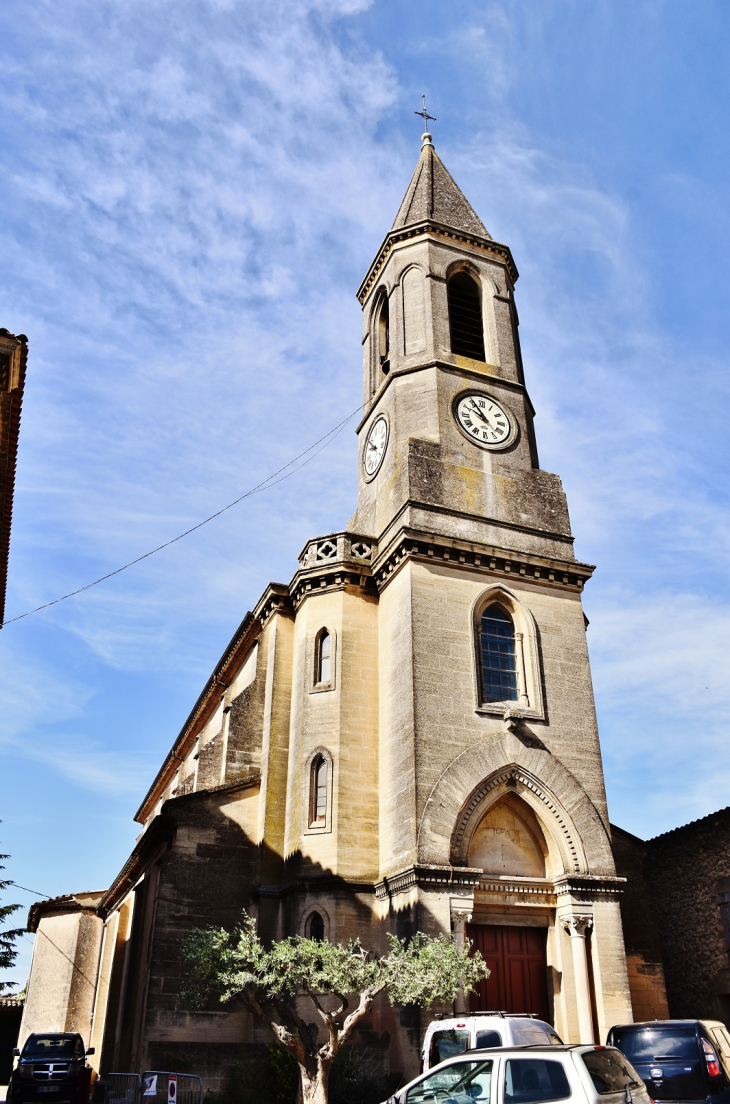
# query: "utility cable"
35,892
264,485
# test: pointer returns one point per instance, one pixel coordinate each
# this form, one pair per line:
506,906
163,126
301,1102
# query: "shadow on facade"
203,869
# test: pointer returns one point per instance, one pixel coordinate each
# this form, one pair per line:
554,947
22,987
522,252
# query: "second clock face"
375,446
483,420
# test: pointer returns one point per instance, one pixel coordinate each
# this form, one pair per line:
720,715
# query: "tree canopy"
8,936
341,981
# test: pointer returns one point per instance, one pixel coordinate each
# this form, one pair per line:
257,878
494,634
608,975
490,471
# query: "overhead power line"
264,485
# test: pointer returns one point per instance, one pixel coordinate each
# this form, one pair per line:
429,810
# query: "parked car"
678,1059
452,1035
529,1075
51,1067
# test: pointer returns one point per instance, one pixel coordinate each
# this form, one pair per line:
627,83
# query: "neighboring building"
404,736
676,917
13,360
11,1012
64,968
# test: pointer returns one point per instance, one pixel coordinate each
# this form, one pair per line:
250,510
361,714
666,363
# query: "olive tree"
339,980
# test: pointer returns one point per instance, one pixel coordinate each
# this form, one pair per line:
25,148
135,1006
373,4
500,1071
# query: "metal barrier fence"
161,1087
123,1088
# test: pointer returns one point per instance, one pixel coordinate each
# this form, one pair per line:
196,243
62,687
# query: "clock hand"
481,414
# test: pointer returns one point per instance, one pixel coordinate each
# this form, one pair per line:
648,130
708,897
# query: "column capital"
461,916
577,925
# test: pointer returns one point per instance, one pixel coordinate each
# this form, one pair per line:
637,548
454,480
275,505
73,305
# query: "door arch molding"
541,779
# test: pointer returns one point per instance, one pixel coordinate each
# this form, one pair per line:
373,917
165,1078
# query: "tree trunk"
315,1084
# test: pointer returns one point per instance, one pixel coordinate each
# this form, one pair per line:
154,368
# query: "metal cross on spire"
424,114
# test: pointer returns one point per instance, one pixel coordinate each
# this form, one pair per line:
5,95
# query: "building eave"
155,841
11,401
87,901
500,253
202,711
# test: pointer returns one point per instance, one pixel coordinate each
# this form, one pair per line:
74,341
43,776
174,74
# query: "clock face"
376,443
483,420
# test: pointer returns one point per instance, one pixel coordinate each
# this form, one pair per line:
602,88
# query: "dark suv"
686,1060
52,1067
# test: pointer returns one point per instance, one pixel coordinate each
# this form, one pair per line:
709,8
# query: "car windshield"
652,1044
50,1046
459,1083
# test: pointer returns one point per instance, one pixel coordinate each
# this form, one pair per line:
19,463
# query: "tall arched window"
497,645
384,336
318,791
315,927
465,316
323,671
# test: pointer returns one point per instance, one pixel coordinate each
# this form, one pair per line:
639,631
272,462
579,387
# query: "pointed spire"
434,194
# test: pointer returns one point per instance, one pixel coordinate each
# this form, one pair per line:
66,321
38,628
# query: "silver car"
529,1075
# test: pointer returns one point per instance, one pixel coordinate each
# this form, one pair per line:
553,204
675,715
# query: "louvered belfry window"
499,669
465,317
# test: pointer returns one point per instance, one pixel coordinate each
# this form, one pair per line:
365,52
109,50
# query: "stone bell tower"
440,327
492,807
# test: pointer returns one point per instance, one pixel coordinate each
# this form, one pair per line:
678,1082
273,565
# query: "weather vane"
425,115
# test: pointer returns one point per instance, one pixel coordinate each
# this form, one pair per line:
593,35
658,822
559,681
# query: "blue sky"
190,193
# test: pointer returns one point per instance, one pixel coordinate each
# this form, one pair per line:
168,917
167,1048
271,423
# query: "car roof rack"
464,1015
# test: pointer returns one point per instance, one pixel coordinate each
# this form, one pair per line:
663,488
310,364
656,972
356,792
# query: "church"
401,738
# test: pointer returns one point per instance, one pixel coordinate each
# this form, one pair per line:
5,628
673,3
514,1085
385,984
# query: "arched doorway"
508,842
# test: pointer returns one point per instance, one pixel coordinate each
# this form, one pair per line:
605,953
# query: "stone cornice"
275,599
427,877
318,883
345,560
533,891
334,562
485,379
588,886
413,544
500,253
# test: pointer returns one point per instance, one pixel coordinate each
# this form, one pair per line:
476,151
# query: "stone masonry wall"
683,870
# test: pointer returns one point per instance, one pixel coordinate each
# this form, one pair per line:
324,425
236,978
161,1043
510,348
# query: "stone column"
460,917
576,926
521,673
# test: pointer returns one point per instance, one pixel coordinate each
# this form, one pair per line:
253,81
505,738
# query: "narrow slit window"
324,657
465,317
384,336
318,792
497,646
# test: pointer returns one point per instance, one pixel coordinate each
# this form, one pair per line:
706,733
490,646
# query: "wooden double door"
517,962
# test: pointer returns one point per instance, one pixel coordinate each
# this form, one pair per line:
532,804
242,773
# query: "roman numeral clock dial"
376,443
484,421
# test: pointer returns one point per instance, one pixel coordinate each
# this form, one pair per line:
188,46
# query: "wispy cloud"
191,198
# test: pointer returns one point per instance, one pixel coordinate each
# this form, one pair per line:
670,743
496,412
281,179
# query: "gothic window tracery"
465,316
